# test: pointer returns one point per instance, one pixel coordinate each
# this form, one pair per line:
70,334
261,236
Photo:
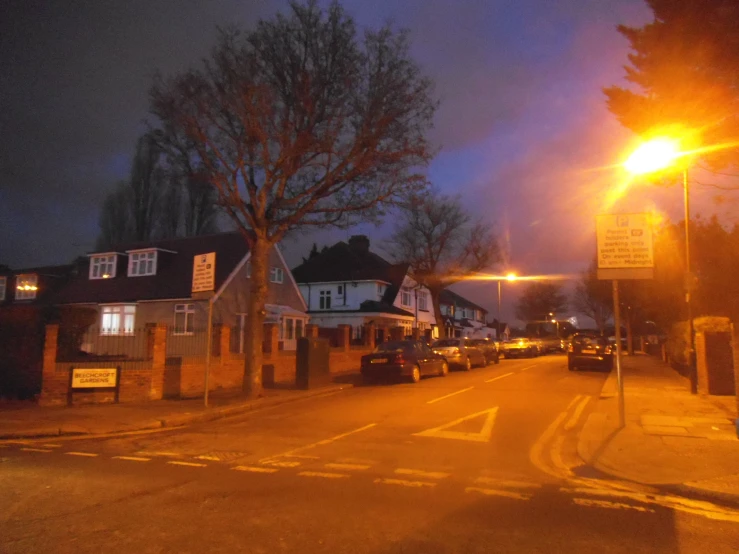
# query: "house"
348,284
116,293
25,307
463,318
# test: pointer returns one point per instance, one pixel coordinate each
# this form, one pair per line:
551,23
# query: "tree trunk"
255,318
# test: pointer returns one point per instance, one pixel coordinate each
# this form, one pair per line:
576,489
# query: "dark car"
460,352
411,359
589,350
489,349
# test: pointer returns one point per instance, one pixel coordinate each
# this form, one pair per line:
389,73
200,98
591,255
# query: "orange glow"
654,155
511,277
550,277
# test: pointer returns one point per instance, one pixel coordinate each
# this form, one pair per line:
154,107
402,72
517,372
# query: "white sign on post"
204,272
625,249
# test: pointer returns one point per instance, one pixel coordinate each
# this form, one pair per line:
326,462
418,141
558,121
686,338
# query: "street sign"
625,249
94,378
204,272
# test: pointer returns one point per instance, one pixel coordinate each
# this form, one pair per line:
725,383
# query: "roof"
173,278
449,297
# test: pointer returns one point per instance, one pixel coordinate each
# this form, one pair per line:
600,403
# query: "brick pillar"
369,335
396,333
735,347
311,331
158,360
701,362
225,336
54,386
416,333
271,338
344,336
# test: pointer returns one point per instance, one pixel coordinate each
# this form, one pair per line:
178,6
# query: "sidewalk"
21,420
671,436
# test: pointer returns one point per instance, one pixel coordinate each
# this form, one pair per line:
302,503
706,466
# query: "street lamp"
509,277
656,155
554,320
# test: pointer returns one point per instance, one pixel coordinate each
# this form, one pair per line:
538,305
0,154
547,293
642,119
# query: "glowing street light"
657,155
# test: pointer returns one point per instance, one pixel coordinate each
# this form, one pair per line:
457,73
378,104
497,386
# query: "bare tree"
538,300
441,243
593,297
114,219
301,123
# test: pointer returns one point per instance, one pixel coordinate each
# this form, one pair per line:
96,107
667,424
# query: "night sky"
522,127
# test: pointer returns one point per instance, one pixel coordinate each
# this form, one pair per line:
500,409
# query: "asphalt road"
483,461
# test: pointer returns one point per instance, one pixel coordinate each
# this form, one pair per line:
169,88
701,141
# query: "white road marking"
253,469
576,415
35,450
497,492
498,377
405,483
132,458
483,436
535,454
573,402
349,467
301,456
591,502
527,367
282,464
363,461
324,474
82,454
188,464
166,454
420,473
448,395
51,445
291,453
211,458
507,483
556,453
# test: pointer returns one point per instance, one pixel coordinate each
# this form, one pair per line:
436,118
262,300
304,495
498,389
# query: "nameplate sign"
100,378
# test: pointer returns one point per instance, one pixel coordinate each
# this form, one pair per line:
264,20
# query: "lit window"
3,286
102,267
184,315
422,301
324,300
276,275
142,263
26,286
405,297
118,319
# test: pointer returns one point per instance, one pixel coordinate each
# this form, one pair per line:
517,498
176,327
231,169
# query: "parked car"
551,343
460,352
489,349
404,358
589,350
519,348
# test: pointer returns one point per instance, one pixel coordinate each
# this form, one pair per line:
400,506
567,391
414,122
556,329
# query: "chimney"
359,244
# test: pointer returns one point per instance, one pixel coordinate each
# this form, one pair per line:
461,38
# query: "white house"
348,284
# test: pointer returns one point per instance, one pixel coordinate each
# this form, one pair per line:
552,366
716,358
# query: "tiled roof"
449,297
173,277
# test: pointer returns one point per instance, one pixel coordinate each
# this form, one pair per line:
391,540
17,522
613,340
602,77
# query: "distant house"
349,284
463,318
135,285
26,297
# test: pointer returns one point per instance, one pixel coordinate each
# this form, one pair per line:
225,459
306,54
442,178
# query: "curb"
179,420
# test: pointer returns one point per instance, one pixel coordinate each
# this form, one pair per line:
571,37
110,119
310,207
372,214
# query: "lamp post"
656,155
510,277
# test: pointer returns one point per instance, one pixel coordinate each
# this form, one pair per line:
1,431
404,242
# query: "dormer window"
142,263
103,266
26,286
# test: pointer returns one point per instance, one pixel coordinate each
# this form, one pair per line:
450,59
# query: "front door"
289,341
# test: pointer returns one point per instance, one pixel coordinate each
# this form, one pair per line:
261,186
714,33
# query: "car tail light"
608,349
398,359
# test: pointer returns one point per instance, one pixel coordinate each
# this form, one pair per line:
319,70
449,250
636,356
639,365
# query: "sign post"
203,280
625,251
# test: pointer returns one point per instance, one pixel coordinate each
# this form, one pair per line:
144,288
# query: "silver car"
460,352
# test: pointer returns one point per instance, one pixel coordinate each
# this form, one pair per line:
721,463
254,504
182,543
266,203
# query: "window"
26,286
276,275
118,320
324,300
102,267
184,315
405,297
142,263
289,328
380,289
451,309
422,301
341,289
3,286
